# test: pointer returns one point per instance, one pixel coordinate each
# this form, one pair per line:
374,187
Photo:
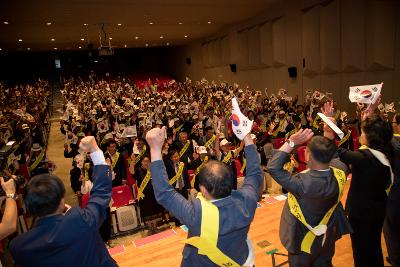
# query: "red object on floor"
153,238
121,196
117,250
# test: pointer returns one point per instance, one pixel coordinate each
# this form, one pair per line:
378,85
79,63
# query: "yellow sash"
337,115
321,228
86,168
114,160
227,157
178,174
141,153
345,138
198,170
397,135
208,239
184,148
143,185
382,159
315,122
209,142
244,165
281,123
178,129
37,161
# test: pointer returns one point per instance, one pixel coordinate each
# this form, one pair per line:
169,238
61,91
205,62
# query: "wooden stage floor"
168,252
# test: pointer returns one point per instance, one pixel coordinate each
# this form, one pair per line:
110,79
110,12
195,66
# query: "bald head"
217,178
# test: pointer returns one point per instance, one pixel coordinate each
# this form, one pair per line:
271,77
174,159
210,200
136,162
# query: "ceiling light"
79,47
167,43
28,49
52,39
161,37
151,23
5,22
180,23
96,61
147,44
0,49
125,46
119,24
82,39
136,37
85,24
55,48
19,40
48,23
185,36
110,38
209,22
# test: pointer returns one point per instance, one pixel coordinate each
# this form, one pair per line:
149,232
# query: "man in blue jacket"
219,221
66,239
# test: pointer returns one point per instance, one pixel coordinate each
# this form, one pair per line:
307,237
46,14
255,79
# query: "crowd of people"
192,139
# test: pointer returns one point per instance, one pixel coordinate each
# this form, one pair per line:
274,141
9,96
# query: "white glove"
241,125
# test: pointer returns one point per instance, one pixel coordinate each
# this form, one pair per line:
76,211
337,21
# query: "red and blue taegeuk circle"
235,120
366,93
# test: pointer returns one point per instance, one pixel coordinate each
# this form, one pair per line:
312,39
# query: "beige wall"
343,43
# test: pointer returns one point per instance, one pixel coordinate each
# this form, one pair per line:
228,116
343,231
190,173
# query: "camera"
19,181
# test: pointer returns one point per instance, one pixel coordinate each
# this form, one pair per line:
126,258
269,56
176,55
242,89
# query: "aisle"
55,150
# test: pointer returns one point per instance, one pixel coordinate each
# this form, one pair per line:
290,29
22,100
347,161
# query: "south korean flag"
241,125
367,94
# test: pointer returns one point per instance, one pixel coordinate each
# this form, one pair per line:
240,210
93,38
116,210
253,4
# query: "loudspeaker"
292,72
188,60
233,67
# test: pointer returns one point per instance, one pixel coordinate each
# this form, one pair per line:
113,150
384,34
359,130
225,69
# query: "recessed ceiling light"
96,61
28,49
161,37
52,39
5,22
167,43
151,23
125,46
48,23
119,24
0,49
185,36
180,23
55,48
136,37
19,40
209,22
147,44
85,24
79,47
110,38
82,39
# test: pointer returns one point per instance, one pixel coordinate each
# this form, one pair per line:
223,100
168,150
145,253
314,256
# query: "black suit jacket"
171,173
316,192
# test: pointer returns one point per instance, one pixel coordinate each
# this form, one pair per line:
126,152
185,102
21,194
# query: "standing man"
219,219
117,163
313,217
71,238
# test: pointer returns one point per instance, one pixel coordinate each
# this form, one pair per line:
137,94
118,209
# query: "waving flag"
241,125
365,94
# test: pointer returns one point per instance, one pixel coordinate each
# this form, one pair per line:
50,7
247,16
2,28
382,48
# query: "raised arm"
165,194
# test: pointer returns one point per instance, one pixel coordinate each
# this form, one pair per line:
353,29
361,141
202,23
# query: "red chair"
301,158
278,142
121,196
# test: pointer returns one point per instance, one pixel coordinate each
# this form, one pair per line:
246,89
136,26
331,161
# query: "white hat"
224,142
36,147
202,150
129,132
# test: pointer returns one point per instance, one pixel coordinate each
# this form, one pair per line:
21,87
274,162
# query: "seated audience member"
313,217
234,208
71,238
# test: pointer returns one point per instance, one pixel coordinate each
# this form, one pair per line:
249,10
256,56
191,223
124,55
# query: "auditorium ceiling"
76,24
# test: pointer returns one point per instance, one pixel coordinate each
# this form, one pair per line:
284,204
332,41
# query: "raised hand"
327,109
302,136
155,138
88,144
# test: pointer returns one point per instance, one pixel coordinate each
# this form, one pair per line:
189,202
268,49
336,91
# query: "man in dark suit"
184,147
71,238
236,208
174,166
316,190
117,162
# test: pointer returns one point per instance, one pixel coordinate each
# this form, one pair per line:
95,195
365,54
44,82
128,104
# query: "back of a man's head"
217,178
43,195
322,149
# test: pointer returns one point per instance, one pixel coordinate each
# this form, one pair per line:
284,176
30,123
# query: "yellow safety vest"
178,174
208,239
321,228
